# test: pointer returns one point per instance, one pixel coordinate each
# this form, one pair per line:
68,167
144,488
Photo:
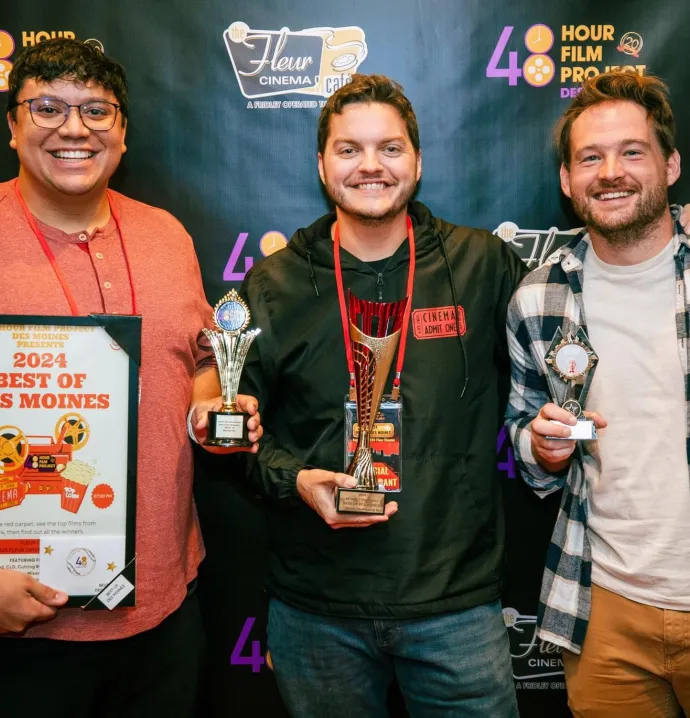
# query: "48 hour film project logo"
316,61
6,50
8,45
564,54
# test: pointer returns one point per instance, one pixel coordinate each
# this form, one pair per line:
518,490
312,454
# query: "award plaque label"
229,426
230,344
360,501
584,430
571,362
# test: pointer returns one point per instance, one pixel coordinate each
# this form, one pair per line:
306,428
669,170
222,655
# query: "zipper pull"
379,284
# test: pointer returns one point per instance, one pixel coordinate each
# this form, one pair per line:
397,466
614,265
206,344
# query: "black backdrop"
233,157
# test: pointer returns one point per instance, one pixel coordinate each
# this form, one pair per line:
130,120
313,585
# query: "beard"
373,216
628,227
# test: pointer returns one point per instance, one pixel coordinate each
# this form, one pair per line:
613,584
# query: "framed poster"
69,394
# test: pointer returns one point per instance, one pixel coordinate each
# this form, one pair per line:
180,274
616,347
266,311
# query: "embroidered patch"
437,322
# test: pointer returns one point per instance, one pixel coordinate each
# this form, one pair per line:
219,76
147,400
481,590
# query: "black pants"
153,674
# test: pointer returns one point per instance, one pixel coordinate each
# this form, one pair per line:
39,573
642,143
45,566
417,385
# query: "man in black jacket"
414,593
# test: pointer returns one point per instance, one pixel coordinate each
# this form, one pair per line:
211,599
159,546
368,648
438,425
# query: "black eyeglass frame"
68,107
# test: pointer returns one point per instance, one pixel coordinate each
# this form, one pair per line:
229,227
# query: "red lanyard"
343,309
53,262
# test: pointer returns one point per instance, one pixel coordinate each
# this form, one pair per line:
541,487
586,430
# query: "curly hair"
66,59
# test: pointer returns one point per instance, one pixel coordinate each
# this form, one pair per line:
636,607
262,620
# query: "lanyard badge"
385,440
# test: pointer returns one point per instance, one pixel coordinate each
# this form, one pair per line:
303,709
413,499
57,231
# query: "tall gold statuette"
228,427
374,334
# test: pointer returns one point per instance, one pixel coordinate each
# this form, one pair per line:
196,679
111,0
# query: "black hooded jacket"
443,550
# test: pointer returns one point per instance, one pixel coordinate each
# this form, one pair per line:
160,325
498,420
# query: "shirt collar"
572,255
54,234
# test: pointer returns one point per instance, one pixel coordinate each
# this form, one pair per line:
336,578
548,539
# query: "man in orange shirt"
67,114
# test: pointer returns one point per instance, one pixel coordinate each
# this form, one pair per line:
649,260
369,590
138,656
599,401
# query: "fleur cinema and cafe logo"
316,61
532,657
533,246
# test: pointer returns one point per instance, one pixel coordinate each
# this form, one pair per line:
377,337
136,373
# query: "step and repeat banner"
222,132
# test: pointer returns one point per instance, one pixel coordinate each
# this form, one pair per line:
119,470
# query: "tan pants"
635,661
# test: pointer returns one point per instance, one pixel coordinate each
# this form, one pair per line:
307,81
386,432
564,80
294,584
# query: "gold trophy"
228,427
374,334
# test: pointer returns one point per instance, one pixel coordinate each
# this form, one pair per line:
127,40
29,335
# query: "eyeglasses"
51,113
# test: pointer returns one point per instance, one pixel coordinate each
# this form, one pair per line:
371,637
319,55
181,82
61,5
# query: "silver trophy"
571,362
228,427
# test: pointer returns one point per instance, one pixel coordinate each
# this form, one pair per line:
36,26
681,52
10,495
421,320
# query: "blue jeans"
451,665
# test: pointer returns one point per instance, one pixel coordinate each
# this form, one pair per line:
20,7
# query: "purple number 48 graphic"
254,659
513,71
229,274
503,445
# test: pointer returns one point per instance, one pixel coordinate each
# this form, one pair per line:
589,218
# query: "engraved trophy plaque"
230,344
571,362
374,335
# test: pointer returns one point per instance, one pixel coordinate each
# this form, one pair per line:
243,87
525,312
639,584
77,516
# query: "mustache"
600,189
371,178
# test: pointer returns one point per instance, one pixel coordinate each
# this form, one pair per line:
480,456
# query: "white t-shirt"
637,471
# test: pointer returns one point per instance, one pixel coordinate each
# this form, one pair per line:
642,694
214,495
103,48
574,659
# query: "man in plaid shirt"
616,588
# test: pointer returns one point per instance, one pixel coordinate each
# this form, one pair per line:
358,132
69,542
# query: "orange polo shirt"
171,300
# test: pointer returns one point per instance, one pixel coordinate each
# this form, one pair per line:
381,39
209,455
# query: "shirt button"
83,237
99,255
107,285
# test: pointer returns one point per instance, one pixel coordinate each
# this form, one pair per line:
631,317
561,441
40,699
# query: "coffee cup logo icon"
344,62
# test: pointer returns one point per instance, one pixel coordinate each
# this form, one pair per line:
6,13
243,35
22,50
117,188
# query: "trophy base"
584,430
228,429
360,501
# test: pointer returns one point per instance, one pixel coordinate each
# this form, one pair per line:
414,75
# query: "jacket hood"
314,243
430,233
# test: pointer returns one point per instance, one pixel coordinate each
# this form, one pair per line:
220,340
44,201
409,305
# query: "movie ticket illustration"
67,467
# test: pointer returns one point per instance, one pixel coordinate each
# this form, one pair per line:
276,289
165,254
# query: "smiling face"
70,160
369,166
618,177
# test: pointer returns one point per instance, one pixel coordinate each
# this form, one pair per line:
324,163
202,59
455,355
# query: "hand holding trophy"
228,427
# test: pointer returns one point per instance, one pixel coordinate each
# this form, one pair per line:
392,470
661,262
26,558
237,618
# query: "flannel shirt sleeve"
528,393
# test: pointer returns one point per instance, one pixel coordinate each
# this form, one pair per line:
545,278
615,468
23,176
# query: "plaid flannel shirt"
550,298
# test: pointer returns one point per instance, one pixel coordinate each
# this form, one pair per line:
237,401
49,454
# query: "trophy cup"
374,334
228,427
571,363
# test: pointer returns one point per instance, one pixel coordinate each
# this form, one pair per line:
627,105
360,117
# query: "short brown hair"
365,89
647,91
